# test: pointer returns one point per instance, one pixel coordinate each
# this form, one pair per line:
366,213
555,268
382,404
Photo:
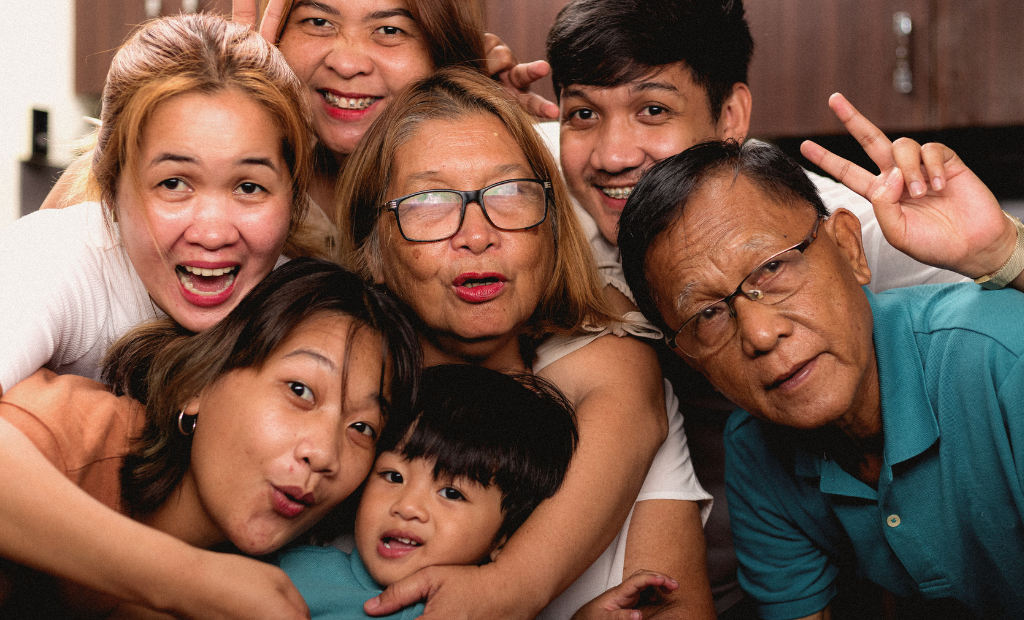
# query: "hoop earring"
192,419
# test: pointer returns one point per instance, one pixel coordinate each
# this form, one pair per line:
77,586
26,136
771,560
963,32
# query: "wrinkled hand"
929,205
233,587
244,12
517,77
644,587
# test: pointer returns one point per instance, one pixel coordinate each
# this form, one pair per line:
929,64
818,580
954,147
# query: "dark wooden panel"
523,25
980,62
100,28
805,50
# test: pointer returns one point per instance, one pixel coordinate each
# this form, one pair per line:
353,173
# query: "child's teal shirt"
335,584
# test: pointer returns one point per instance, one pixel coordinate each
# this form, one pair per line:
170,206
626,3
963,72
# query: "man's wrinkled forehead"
634,77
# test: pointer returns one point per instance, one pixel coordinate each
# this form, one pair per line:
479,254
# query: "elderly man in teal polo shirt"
879,433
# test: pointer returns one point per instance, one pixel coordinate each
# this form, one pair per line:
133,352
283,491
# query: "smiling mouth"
348,103
206,282
618,193
392,542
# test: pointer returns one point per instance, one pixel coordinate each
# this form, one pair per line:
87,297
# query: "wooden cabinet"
101,26
523,25
965,63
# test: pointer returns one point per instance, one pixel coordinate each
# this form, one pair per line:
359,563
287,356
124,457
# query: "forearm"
622,423
48,523
667,536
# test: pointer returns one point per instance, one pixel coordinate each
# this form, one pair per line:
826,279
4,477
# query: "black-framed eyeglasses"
437,214
771,282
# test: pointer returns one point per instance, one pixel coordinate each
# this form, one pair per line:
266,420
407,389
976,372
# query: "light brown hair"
197,53
574,296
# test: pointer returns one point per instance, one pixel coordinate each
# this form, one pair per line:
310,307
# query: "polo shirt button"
893,520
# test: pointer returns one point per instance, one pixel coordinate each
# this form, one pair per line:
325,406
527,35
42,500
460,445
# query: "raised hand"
928,203
517,77
618,603
245,12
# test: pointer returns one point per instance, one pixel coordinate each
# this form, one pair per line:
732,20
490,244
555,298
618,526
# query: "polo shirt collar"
908,420
360,573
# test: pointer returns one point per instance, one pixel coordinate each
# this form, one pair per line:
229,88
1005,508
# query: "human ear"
498,546
844,229
734,120
192,406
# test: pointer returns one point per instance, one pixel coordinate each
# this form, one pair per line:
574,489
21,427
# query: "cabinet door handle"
902,76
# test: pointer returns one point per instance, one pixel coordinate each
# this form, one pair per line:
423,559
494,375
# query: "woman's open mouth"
347,103
204,286
478,287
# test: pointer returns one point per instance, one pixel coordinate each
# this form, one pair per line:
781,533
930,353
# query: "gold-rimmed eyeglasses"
771,282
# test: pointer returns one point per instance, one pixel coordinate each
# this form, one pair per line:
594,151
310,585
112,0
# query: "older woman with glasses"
454,204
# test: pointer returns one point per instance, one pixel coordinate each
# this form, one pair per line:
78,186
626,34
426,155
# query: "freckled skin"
467,154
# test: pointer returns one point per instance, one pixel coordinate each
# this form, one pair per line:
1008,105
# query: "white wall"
38,70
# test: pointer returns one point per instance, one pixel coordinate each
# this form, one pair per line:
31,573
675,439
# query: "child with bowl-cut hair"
483,450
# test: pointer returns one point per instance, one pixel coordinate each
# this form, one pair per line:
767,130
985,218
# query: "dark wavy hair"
163,365
661,195
517,432
609,43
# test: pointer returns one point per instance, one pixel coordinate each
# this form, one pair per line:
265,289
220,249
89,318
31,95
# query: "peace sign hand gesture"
929,205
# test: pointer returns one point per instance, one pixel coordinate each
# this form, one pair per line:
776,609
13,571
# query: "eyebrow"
577,90
503,169
188,159
386,13
312,4
320,360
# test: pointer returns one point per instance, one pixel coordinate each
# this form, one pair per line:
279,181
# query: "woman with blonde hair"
455,205
200,169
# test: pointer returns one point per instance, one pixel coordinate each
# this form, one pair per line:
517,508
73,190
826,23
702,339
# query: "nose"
348,59
213,225
319,447
410,505
476,233
617,148
759,326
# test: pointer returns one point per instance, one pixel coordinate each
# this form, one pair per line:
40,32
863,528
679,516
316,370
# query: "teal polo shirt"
946,520
335,584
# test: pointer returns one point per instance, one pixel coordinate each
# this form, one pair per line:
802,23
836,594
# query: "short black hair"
609,43
661,195
517,432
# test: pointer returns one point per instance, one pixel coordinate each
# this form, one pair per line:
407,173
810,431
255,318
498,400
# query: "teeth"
404,541
187,282
208,272
619,193
357,103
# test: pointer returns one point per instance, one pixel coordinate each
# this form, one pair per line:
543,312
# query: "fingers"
871,138
628,593
524,74
846,172
244,12
403,593
936,157
273,20
539,106
498,56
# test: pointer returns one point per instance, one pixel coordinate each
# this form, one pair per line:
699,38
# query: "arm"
619,602
112,554
617,388
653,523
949,219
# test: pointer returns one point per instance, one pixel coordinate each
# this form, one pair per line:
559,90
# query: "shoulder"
962,308
604,361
